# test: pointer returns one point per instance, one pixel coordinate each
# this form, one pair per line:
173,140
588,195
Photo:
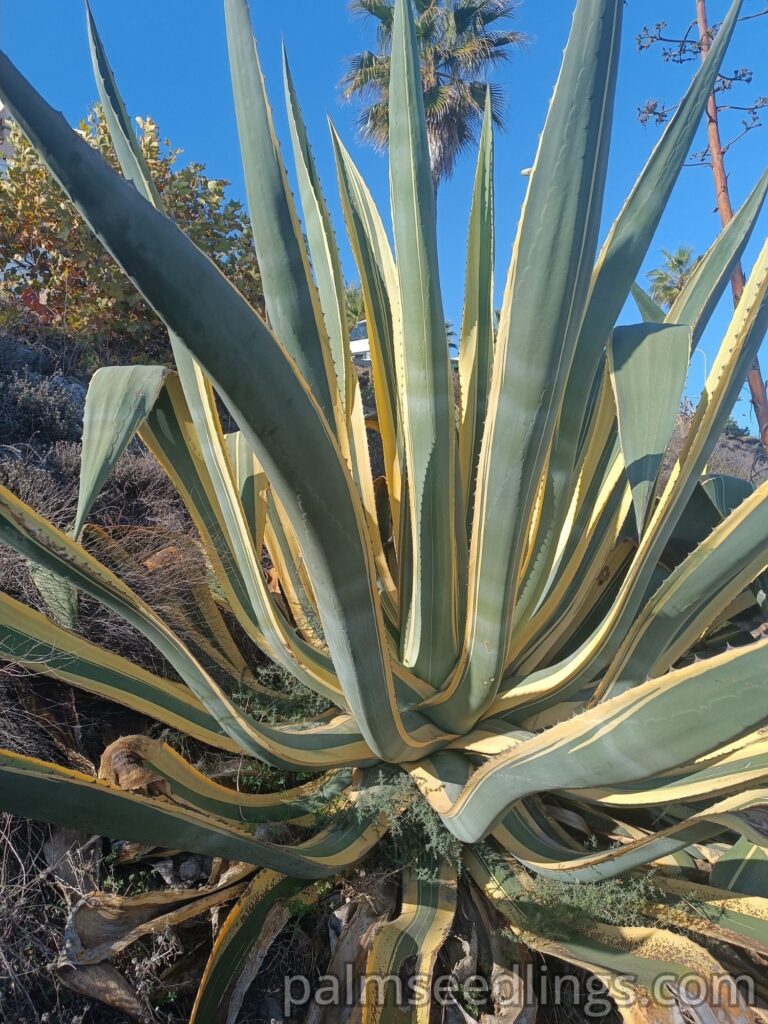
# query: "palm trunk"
725,209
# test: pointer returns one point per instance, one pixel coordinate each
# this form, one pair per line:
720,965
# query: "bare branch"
747,127
751,17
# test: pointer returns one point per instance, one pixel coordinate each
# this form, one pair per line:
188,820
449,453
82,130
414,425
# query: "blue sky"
170,60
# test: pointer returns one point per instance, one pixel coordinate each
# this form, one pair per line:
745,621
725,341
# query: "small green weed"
304,704
413,828
555,908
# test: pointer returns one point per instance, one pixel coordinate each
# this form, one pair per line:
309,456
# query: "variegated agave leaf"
543,639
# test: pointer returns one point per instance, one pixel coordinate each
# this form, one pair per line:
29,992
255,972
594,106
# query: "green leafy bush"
58,273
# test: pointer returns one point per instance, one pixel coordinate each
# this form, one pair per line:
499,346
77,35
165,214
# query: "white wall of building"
5,146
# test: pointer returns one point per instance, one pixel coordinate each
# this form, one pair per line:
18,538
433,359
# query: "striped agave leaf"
541,636
427,912
249,931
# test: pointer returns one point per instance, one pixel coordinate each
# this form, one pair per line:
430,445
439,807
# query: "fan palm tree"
354,305
461,42
668,280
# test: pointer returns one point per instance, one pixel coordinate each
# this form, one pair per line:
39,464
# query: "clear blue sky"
170,60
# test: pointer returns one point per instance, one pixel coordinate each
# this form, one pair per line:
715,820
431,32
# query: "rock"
74,389
164,868
193,869
338,921
16,357
74,858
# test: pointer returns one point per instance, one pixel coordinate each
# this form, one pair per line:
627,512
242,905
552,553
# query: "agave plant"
523,615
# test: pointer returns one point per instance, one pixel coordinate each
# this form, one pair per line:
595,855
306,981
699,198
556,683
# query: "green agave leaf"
292,303
330,283
199,395
548,288
119,399
187,785
252,484
744,868
442,777
631,235
596,522
635,957
336,744
596,554
696,592
238,551
431,639
309,479
596,602
416,936
703,290
166,430
60,598
635,735
211,492
527,839
716,913
737,351
121,130
578,670
648,365
697,520
616,270
321,241
293,578
239,560
478,321
373,256
649,310
29,639
167,434
243,942
378,280
727,492
736,767
60,796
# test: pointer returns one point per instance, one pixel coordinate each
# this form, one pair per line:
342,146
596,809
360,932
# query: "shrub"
59,274
38,410
732,429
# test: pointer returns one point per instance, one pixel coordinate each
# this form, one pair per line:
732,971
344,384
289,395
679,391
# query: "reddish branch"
725,209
